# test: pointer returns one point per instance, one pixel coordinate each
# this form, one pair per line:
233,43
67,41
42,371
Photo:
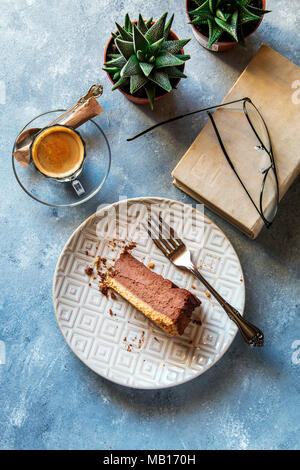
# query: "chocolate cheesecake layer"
169,306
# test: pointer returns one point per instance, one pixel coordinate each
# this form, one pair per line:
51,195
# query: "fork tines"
163,235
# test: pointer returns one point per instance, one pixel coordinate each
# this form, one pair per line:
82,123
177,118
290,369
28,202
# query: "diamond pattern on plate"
156,346
72,290
120,343
77,268
87,321
101,353
172,374
67,314
95,300
81,345
110,330
149,369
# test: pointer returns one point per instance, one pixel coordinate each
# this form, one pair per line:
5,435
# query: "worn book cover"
271,81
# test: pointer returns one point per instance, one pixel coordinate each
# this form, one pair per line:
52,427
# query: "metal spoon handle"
95,91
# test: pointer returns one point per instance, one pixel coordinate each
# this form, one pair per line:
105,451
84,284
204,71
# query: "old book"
273,84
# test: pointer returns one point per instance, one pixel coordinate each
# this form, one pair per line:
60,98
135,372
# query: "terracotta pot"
223,45
136,99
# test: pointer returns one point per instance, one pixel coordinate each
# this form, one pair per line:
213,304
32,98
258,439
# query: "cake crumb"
103,289
208,294
141,340
193,286
151,265
89,270
129,247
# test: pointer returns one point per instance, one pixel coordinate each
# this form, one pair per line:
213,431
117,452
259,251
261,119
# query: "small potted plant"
145,59
220,24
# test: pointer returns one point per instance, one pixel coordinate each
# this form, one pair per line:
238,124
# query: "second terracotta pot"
222,45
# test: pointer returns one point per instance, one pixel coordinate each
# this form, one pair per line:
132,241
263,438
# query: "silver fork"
175,250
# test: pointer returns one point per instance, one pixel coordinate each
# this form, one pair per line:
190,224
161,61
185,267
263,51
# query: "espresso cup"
58,152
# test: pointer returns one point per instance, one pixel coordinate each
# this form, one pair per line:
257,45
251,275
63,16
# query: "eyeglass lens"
269,190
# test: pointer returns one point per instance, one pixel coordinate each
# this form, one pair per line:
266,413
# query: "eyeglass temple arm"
149,129
231,164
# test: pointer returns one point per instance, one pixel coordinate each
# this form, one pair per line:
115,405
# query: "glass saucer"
95,170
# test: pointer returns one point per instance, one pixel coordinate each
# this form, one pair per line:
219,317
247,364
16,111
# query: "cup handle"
78,188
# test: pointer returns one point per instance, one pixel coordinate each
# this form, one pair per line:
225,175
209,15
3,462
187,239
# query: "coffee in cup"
58,152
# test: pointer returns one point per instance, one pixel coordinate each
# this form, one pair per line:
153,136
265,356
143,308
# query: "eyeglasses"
264,159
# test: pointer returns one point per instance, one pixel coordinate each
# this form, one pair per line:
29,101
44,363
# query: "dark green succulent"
146,58
227,16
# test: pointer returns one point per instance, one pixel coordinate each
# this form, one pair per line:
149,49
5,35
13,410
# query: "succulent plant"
227,16
147,59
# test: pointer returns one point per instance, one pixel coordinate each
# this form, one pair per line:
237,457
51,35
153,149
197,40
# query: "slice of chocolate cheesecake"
167,305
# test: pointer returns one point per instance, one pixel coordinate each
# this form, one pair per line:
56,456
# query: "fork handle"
252,335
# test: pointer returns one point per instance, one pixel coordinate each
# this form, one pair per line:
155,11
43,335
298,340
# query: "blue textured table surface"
50,53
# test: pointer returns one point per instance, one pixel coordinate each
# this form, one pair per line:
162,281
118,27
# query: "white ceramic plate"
118,342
